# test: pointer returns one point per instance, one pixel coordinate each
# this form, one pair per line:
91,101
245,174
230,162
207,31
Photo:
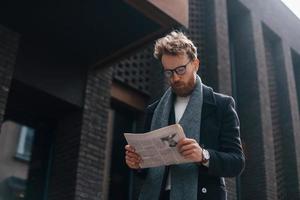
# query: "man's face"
183,84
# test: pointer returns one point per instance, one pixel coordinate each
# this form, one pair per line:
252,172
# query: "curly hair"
175,43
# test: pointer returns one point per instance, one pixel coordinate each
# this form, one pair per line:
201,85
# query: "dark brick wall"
293,126
265,90
135,71
217,45
197,33
249,113
265,114
271,48
285,154
278,17
218,71
90,169
296,69
64,157
8,50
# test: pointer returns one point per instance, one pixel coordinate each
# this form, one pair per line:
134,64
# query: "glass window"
25,143
16,141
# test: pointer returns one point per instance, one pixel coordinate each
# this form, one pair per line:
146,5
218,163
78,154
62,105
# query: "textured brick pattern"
90,170
217,46
269,175
285,158
197,31
296,68
292,128
65,155
135,70
217,71
276,122
8,51
268,131
244,62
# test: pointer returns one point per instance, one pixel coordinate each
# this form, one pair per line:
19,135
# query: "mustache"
177,84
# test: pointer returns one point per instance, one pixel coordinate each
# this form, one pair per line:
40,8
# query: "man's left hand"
190,149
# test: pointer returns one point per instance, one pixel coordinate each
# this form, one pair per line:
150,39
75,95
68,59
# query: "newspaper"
158,147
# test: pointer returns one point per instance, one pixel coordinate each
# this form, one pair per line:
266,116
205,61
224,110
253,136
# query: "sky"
294,5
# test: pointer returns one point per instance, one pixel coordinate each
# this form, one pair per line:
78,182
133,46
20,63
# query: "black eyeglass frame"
180,70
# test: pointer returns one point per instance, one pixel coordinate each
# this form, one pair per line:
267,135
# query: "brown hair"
175,43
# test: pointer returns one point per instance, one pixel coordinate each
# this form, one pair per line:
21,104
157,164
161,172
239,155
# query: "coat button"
204,190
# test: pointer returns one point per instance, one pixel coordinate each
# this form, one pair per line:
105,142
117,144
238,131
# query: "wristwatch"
205,156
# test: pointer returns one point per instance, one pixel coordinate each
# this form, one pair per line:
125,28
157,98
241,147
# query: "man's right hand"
133,159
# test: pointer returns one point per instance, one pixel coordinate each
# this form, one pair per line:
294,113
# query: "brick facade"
266,97
217,45
65,156
8,50
90,167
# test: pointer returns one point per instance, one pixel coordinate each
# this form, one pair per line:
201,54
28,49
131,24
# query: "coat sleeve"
147,126
228,160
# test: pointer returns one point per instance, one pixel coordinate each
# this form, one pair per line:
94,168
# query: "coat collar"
208,95
209,102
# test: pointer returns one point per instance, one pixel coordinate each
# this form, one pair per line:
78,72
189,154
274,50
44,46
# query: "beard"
183,89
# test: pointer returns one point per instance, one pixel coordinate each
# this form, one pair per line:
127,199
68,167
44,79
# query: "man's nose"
175,77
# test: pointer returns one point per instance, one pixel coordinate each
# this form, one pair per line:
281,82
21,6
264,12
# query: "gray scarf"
184,177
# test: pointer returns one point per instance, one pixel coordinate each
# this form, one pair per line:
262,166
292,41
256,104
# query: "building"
77,75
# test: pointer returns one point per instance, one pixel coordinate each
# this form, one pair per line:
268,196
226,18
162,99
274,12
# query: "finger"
133,164
185,141
191,157
190,152
129,148
188,147
180,141
134,155
132,159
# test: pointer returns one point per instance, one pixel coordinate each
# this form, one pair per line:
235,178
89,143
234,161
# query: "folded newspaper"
158,147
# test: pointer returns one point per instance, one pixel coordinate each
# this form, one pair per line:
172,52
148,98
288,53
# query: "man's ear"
196,64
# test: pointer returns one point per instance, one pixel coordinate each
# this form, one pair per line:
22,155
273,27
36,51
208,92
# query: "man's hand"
132,159
190,149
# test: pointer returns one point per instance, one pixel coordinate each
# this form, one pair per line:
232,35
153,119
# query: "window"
25,143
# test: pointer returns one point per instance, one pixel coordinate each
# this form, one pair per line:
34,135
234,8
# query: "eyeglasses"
180,70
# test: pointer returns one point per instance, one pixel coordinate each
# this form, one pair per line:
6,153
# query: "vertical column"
268,165
8,51
282,104
251,91
294,121
218,58
296,70
296,67
91,166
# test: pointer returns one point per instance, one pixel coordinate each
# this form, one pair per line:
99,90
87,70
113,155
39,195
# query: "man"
209,121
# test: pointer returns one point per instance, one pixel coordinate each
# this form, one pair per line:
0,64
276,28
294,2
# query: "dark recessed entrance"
30,124
124,120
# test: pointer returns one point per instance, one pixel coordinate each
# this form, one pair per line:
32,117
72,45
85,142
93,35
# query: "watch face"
205,154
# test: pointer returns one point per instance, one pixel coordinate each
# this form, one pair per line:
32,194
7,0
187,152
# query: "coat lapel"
208,108
209,102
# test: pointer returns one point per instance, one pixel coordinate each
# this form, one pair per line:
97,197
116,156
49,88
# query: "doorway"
30,121
124,120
